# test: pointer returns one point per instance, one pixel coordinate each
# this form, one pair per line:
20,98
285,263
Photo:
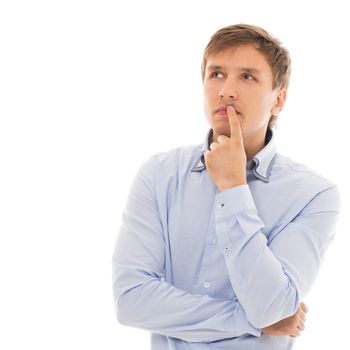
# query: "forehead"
236,57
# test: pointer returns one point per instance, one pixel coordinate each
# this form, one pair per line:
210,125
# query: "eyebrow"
243,69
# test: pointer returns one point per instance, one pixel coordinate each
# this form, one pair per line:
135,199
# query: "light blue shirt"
203,269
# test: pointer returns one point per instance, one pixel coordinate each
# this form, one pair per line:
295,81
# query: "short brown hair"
276,55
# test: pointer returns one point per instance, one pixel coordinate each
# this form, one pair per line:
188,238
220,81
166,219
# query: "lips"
223,110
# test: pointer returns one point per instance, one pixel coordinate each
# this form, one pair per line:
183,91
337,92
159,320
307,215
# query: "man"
220,242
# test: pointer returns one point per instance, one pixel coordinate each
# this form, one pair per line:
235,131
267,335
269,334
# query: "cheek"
264,104
268,99
206,102
210,91
209,97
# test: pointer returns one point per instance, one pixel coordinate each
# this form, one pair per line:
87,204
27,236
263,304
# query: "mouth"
223,111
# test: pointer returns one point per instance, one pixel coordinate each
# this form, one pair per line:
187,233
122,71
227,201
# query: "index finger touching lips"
235,127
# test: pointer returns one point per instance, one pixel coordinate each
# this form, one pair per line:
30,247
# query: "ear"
279,102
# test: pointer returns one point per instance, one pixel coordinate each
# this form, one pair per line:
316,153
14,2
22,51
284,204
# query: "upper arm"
301,245
140,248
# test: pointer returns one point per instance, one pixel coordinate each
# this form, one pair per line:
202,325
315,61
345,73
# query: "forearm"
257,277
263,288
142,299
154,305
271,279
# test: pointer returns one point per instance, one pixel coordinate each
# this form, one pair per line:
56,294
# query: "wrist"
229,185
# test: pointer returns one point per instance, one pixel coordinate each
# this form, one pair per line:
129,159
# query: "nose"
228,90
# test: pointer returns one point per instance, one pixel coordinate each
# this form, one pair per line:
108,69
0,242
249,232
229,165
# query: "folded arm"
143,299
271,278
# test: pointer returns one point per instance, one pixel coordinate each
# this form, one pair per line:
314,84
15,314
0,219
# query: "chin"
222,131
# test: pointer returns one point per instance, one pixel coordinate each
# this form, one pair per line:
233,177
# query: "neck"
253,143
253,146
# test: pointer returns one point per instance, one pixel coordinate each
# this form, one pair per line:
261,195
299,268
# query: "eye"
216,75
247,76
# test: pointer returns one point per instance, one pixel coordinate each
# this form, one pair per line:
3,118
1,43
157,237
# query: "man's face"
240,76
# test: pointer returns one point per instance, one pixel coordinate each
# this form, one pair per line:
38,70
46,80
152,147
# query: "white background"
88,91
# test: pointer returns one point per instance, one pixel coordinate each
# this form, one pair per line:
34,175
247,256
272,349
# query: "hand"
226,160
290,326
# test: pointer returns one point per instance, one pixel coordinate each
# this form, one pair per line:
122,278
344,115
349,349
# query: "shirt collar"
262,161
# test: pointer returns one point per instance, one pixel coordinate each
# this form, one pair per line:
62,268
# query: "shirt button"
214,241
220,206
206,284
227,248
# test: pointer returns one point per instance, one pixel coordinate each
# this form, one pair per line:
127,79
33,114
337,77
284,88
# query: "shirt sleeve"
271,278
143,298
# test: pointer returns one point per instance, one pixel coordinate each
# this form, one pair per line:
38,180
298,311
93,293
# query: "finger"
301,326
295,333
222,138
235,127
213,145
302,316
304,307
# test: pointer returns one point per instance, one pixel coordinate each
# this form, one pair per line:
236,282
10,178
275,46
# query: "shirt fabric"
203,269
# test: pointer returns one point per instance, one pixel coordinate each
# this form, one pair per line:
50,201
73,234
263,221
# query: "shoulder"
302,179
298,190
177,159
174,161
183,152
